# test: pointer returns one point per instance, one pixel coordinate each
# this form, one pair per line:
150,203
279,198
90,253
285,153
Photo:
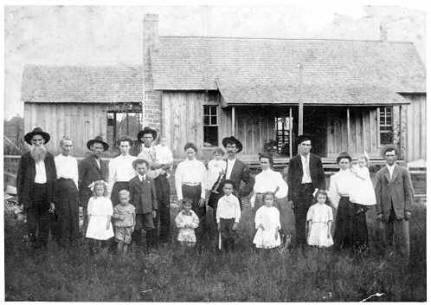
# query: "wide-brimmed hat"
98,139
302,138
344,155
37,131
146,130
232,140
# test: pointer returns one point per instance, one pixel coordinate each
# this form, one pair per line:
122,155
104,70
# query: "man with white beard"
36,186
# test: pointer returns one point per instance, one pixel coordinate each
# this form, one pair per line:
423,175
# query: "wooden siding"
79,122
415,146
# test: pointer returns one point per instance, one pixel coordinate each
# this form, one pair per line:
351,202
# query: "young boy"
227,216
143,197
124,221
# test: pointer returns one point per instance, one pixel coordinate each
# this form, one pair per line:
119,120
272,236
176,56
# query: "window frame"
384,115
210,116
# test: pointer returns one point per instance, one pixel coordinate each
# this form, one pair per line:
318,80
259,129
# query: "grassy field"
176,274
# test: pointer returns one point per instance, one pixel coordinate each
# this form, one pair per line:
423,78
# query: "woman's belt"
191,183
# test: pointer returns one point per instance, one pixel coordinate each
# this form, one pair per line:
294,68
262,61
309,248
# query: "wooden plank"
233,121
290,133
348,128
421,101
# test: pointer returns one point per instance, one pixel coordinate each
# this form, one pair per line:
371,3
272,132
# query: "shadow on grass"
176,274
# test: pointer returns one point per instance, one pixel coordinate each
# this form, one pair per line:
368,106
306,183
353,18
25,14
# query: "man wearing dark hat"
158,172
236,171
36,186
91,169
305,175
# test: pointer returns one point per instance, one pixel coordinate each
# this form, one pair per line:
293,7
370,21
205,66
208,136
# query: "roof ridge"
81,66
281,38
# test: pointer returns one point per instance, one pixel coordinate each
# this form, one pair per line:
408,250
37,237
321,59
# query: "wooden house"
349,95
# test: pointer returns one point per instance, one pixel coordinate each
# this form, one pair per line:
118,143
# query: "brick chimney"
151,107
383,32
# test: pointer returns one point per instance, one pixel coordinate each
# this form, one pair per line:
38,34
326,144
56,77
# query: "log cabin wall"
80,122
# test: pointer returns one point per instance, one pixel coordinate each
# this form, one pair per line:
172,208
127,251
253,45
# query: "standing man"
121,170
159,172
36,186
66,194
236,171
394,194
305,175
91,169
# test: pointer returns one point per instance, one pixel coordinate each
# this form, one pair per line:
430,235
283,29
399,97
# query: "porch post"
233,122
290,133
348,129
301,104
400,133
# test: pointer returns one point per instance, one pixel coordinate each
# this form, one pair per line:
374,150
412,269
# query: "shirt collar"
391,167
142,178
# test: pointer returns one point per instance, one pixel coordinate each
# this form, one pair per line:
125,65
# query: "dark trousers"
163,217
144,222
38,215
194,194
300,208
397,234
227,234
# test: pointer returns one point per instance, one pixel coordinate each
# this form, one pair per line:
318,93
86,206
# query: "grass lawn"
175,274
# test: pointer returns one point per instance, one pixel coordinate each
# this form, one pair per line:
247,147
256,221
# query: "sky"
110,35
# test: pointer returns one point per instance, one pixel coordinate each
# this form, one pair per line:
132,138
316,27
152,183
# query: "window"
120,123
210,126
385,127
282,130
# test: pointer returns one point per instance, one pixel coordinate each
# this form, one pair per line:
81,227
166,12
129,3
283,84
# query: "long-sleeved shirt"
341,184
190,172
40,176
121,170
270,181
67,168
228,207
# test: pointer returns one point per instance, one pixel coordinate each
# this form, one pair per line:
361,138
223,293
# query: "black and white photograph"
215,152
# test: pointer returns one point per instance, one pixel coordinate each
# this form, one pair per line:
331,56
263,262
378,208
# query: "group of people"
129,198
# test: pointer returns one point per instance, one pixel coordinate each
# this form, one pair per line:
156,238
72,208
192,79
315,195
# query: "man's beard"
38,153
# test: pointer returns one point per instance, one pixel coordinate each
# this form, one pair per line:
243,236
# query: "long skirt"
67,206
350,226
118,186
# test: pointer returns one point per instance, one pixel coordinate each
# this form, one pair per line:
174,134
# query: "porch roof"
310,95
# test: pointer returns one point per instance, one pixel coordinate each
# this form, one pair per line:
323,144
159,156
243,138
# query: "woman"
350,223
268,181
189,182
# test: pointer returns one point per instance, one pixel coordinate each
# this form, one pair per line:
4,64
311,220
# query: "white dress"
99,208
269,218
319,215
363,193
182,220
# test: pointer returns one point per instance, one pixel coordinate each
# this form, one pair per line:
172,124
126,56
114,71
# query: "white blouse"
341,184
270,181
190,171
121,169
67,168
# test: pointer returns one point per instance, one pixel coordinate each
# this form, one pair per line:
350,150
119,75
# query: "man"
305,175
91,169
36,186
236,171
121,170
67,195
394,195
159,172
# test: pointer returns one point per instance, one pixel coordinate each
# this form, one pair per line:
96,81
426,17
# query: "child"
124,221
363,194
143,197
187,221
319,220
227,216
267,223
99,211
216,168
164,156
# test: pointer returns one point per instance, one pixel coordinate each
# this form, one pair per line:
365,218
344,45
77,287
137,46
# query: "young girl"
363,194
267,223
187,221
216,167
99,213
319,220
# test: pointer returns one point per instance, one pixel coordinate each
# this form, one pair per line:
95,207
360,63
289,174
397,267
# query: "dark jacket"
397,192
294,175
26,175
143,195
88,173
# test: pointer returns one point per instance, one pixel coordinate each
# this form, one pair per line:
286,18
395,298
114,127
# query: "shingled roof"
195,63
82,84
